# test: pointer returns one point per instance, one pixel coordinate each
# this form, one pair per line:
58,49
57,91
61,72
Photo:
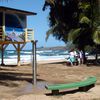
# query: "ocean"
10,56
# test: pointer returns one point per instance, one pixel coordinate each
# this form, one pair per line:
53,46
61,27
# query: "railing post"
18,53
3,27
2,55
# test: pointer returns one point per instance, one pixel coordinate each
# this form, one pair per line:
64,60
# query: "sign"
14,27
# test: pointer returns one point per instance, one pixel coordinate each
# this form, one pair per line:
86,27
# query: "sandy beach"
16,82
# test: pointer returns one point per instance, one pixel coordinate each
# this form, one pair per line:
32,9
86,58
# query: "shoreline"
51,61
23,62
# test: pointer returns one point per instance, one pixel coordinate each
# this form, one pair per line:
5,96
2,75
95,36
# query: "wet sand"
16,82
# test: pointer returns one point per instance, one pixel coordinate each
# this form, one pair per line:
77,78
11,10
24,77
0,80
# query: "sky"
39,23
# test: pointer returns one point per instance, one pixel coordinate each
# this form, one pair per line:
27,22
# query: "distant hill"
52,48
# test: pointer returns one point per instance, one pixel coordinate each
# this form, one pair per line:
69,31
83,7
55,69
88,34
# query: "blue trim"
14,29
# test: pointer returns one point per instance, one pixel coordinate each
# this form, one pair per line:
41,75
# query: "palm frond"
57,31
85,20
50,31
96,37
73,34
84,6
51,1
70,45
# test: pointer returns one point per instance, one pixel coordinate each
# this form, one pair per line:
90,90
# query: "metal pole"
34,63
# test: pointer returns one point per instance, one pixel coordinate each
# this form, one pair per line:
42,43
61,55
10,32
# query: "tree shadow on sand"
93,62
64,92
13,79
60,62
9,66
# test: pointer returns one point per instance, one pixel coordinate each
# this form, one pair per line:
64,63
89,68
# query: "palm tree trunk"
84,57
96,54
99,6
96,57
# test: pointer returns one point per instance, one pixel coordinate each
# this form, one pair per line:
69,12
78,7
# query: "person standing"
80,57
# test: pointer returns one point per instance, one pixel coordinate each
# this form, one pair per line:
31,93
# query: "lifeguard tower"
13,30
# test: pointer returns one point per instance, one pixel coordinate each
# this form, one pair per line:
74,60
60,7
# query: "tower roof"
17,11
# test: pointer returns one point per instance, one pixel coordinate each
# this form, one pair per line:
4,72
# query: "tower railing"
30,34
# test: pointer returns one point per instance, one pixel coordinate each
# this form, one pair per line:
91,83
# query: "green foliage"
85,20
73,34
50,31
96,37
84,5
74,20
70,46
96,24
63,17
89,48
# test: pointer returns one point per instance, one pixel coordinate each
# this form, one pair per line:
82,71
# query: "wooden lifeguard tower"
13,30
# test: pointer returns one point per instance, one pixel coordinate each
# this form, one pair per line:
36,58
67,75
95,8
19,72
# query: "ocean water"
10,56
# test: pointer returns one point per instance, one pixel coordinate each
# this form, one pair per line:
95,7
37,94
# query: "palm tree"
59,21
96,26
96,34
70,20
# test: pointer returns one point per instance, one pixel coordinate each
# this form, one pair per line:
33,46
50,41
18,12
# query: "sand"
16,82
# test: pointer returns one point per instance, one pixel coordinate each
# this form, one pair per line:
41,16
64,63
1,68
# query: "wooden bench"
84,85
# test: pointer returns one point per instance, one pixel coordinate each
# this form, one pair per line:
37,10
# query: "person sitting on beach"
72,58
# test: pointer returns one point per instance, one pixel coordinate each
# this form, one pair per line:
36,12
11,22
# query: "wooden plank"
5,46
30,34
23,45
55,92
2,55
25,34
3,27
86,88
14,46
18,52
10,42
13,10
